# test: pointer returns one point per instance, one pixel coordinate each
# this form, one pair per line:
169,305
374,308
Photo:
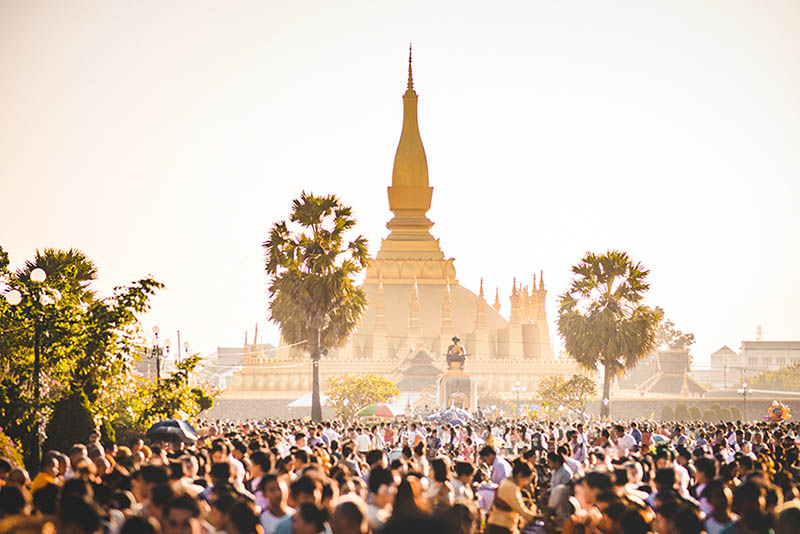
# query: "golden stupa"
415,307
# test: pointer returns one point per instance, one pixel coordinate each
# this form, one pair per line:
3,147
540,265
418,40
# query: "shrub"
736,413
695,413
107,433
667,413
10,449
70,423
682,413
710,416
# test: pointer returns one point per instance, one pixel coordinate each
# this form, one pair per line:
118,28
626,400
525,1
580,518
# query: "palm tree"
311,269
71,270
602,318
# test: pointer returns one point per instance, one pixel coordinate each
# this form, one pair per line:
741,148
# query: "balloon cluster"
778,412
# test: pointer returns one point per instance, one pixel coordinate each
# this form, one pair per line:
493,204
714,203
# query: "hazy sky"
167,137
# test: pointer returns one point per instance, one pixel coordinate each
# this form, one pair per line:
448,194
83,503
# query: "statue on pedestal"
456,355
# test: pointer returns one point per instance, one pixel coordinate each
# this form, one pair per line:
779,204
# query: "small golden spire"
410,76
541,280
480,293
497,299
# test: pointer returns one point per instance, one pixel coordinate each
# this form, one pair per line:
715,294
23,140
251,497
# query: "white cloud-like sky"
167,137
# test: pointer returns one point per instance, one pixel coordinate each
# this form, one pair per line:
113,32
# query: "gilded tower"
416,304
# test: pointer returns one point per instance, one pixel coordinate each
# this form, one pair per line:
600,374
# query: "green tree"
312,268
695,413
667,413
710,416
602,318
682,413
725,414
736,413
83,342
555,391
347,394
72,422
172,397
669,337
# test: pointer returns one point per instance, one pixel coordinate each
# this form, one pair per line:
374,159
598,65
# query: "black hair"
374,456
45,499
221,471
183,502
487,450
521,468
304,485
262,460
79,512
312,514
379,476
12,500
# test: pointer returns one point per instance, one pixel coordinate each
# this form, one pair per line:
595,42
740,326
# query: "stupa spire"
497,304
410,195
541,280
410,74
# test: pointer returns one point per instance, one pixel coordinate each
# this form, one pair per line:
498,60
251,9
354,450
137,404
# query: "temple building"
416,305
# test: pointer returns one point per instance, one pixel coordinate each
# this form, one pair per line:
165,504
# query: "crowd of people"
495,477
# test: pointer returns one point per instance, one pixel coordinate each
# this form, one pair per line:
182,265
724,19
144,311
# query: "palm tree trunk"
605,408
316,405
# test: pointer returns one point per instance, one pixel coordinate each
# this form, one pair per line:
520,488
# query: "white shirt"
269,521
625,443
363,442
501,470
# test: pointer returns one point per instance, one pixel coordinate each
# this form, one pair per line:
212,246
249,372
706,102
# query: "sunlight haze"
167,138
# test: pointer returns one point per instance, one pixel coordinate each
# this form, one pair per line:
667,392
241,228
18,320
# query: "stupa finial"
410,75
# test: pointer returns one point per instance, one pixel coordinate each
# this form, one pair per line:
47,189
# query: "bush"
710,416
204,400
695,413
10,449
736,413
667,414
107,433
725,414
682,413
70,423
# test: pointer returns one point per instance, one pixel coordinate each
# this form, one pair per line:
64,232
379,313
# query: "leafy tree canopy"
669,337
87,343
312,264
602,318
555,391
347,394
783,379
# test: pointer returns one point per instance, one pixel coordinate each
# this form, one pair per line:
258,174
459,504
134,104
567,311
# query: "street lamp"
156,352
745,392
518,388
39,298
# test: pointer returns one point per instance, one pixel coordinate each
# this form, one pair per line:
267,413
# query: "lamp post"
156,352
745,392
518,388
38,299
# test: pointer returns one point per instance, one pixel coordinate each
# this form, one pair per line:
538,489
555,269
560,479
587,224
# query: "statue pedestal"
456,389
